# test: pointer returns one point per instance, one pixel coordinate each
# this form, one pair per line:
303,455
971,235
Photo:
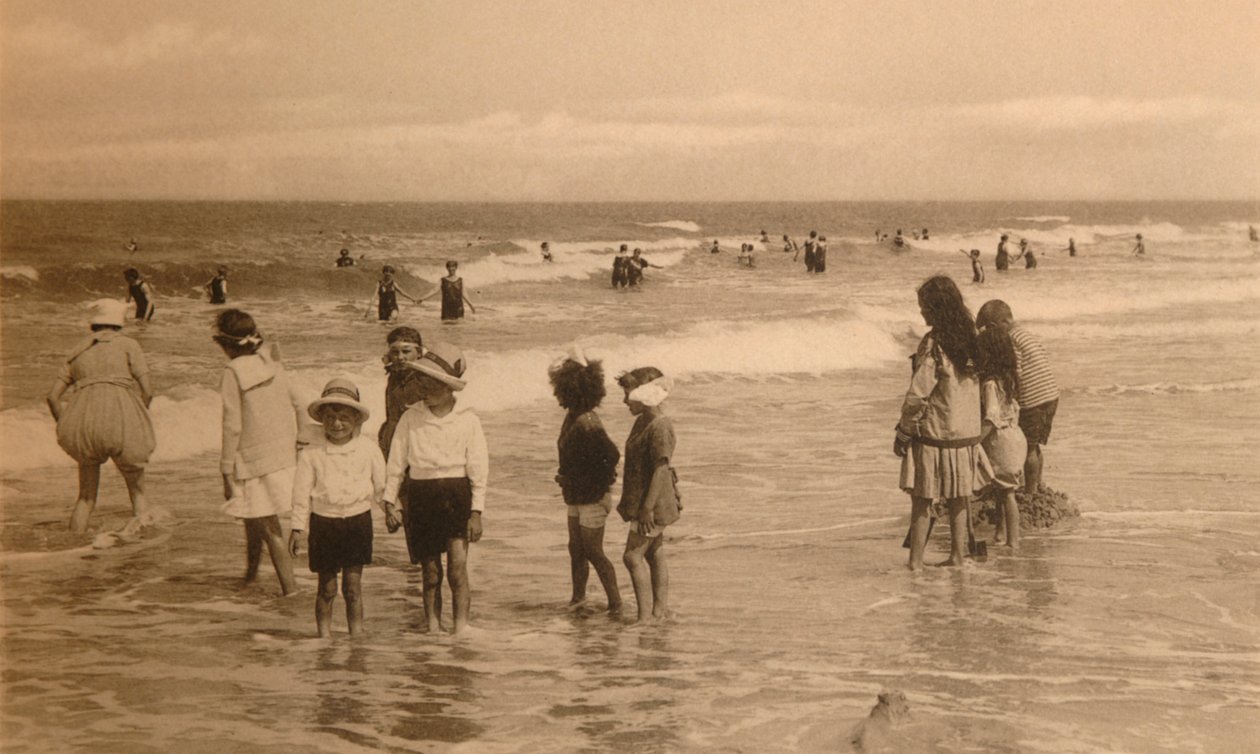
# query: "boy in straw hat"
437,469
333,490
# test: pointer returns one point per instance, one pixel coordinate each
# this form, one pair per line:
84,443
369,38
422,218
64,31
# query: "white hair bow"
653,393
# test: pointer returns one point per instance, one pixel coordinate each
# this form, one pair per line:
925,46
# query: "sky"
630,101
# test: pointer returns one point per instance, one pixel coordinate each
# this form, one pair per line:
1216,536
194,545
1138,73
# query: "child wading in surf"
1002,439
588,468
437,469
260,436
649,495
337,481
938,435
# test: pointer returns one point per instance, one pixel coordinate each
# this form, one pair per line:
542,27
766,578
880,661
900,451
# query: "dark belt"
964,442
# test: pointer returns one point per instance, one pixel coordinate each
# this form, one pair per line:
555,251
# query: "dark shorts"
1036,422
337,543
434,512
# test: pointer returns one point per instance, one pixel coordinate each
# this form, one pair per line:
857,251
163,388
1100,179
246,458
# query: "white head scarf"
653,393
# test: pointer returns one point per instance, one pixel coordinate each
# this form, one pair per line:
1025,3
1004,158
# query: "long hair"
995,360
577,388
953,327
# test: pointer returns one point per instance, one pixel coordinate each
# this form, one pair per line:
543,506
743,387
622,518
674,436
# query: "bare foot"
951,563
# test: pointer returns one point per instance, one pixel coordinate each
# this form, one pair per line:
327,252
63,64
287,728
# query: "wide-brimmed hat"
108,311
443,362
338,392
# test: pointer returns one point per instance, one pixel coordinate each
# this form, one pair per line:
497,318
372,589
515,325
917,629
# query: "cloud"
62,44
1074,113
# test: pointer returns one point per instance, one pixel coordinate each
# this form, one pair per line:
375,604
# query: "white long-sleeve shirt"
337,481
438,447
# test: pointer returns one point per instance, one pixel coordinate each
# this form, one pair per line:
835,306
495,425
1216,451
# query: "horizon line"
257,200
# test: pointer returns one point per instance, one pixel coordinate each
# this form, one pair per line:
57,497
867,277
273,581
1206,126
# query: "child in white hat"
437,469
333,490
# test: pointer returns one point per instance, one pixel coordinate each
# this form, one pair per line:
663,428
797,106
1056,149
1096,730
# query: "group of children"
980,405
427,471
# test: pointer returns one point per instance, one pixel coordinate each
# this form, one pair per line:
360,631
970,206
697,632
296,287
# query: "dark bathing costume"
143,311
387,300
452,298
217,294
620,275
809,254
1003,258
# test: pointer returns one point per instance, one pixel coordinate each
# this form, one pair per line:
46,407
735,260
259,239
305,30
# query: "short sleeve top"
651,441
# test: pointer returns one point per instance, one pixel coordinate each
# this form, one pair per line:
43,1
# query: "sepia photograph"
661,376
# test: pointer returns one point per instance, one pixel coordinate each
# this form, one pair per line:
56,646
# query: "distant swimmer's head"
546,245
813,234
994,313
822,238
222,269
387,271
345,252
236,333
1004,236
626,247
132,274
451,265
975,253
785,237
1139,235
638,251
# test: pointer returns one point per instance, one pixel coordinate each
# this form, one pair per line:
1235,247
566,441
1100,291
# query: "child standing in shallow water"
260,435
336,482
404,344
649,497
588,468
938,435
1000,436
438,466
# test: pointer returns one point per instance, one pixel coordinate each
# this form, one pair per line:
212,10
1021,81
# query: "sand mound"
1038,510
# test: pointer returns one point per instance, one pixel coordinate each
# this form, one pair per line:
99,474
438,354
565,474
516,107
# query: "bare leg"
89,484
457,576
593,547
1032,468
577,562
1012,520
920,517
999,512
352,590
253,548
957,531
659,567
324,603
279,549
432,565
135,489
640,573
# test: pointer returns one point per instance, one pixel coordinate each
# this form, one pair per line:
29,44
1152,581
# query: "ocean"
1133,628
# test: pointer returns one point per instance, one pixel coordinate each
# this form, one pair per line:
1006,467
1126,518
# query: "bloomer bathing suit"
387,301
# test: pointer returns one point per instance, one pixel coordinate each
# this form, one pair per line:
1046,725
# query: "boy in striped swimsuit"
1038,391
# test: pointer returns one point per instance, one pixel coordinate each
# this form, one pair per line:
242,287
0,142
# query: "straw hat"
108,311
338,392
443,362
